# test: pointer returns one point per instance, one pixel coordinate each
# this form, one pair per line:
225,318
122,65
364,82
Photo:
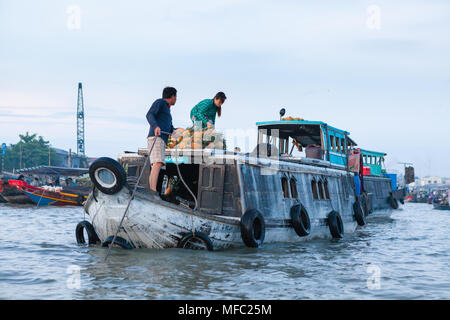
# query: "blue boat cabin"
373,160
327,143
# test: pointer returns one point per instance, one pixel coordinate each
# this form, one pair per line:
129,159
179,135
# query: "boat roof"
302,122
55,171
373,153
295,128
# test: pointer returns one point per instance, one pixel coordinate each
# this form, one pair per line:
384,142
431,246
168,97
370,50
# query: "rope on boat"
190,191
129,201
40,198
135,188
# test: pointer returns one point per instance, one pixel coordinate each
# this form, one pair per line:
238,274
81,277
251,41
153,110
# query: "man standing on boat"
160,121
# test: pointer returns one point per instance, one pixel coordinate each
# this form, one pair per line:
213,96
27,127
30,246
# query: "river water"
406,256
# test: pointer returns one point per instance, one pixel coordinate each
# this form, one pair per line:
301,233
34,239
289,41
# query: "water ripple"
411,250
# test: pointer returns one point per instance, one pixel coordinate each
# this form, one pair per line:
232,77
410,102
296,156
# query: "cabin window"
338,144
284,146
333,143
294,192
284,185
320,187
314,189
343,145
325,188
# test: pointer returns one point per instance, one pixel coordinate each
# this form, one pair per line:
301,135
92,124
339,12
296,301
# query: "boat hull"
441,206
45,197
13,195
42,197
155,224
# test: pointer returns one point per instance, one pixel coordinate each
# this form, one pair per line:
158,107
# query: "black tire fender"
92,235
359,214
300,220
187,238
121,242
393,202
335,224
105,168
253,228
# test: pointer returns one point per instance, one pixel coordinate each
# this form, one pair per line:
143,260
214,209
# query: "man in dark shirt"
160,119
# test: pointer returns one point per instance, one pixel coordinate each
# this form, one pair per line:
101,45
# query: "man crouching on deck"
160,121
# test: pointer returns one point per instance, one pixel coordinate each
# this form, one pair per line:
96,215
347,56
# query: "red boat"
52,196
11,194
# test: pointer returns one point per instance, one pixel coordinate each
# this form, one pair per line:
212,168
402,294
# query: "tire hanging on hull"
358,211
335,224
393,202
253,228
300,220
107,175
121,242
196,241
92,235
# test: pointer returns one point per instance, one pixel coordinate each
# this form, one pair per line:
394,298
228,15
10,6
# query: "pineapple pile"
189,138
291,118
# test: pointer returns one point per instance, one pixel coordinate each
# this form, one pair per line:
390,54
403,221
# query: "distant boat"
441,206
10,193
441,200
50,195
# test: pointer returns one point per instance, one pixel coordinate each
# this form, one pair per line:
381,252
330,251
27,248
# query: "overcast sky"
379,69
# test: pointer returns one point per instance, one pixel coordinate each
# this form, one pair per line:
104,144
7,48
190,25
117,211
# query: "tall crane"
80,122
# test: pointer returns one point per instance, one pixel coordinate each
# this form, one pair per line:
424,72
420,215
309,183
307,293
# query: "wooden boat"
441,206
11,194
441,200
49,195
267,196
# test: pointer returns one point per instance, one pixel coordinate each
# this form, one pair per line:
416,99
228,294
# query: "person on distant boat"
160,121
70,183
205,111
35,182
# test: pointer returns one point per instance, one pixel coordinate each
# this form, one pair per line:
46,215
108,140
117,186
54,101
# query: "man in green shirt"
205,111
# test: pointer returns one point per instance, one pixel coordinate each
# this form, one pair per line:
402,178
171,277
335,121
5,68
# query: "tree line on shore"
30,151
